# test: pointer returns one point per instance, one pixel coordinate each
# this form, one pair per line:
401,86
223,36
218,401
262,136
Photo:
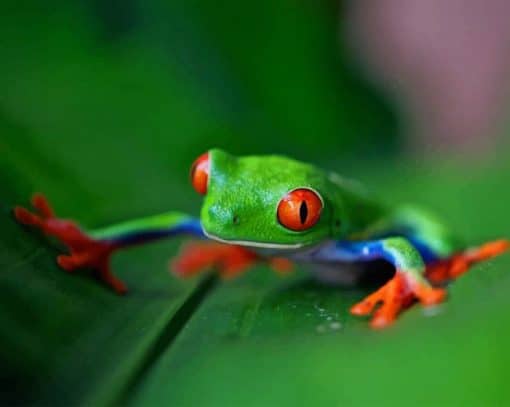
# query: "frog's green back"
362,208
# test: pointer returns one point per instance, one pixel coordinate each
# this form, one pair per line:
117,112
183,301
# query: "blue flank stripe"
372,250
366,250
190,227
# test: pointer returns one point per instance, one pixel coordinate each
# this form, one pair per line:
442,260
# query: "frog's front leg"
93,249
229,260
407,285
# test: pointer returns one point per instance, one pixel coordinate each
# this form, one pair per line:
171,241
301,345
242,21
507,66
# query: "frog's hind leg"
446,258
448,269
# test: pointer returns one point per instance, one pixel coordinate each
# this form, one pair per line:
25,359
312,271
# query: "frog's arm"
409,282
407,285
93,249
148,229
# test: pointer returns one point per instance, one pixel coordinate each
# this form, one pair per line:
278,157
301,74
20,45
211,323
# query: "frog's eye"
300,209
200,173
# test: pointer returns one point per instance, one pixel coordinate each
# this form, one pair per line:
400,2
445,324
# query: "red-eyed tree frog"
277,210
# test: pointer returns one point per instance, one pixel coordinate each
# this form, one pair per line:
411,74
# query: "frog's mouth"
250,243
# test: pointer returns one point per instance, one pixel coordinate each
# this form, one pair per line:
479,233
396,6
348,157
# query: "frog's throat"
250,243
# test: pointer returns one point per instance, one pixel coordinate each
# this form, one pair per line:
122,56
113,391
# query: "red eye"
300,209
200,173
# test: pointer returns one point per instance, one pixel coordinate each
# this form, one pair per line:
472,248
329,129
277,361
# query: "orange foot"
395,296
453,267
229,260
84,251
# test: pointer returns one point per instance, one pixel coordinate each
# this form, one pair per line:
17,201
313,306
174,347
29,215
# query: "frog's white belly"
326,252
343,274
326,261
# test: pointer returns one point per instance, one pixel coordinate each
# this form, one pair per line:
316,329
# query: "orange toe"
40,202
26,217
361,308
109,278
429,296
381,320
487,250
394,297
65,262
366,306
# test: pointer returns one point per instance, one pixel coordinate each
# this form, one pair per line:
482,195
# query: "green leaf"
65,338
103,108
267,341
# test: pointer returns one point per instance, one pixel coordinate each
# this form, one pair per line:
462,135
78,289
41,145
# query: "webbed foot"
85,252
449,269
394,297
229,260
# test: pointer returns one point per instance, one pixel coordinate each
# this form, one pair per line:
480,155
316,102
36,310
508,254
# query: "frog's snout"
220,218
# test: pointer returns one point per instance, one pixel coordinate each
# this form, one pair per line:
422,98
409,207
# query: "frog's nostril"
220,215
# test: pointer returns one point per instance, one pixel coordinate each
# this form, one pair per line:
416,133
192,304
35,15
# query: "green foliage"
104,106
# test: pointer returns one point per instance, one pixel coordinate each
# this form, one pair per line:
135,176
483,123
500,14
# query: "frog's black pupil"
303,212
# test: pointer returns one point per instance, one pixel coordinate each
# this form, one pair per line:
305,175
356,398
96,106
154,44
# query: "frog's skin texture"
280,211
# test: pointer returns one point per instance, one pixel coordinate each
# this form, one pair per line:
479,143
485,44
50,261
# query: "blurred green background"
105,104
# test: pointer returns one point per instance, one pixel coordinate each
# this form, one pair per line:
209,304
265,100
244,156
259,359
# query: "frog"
277,211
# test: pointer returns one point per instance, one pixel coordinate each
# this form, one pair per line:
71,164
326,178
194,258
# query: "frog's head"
264,201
